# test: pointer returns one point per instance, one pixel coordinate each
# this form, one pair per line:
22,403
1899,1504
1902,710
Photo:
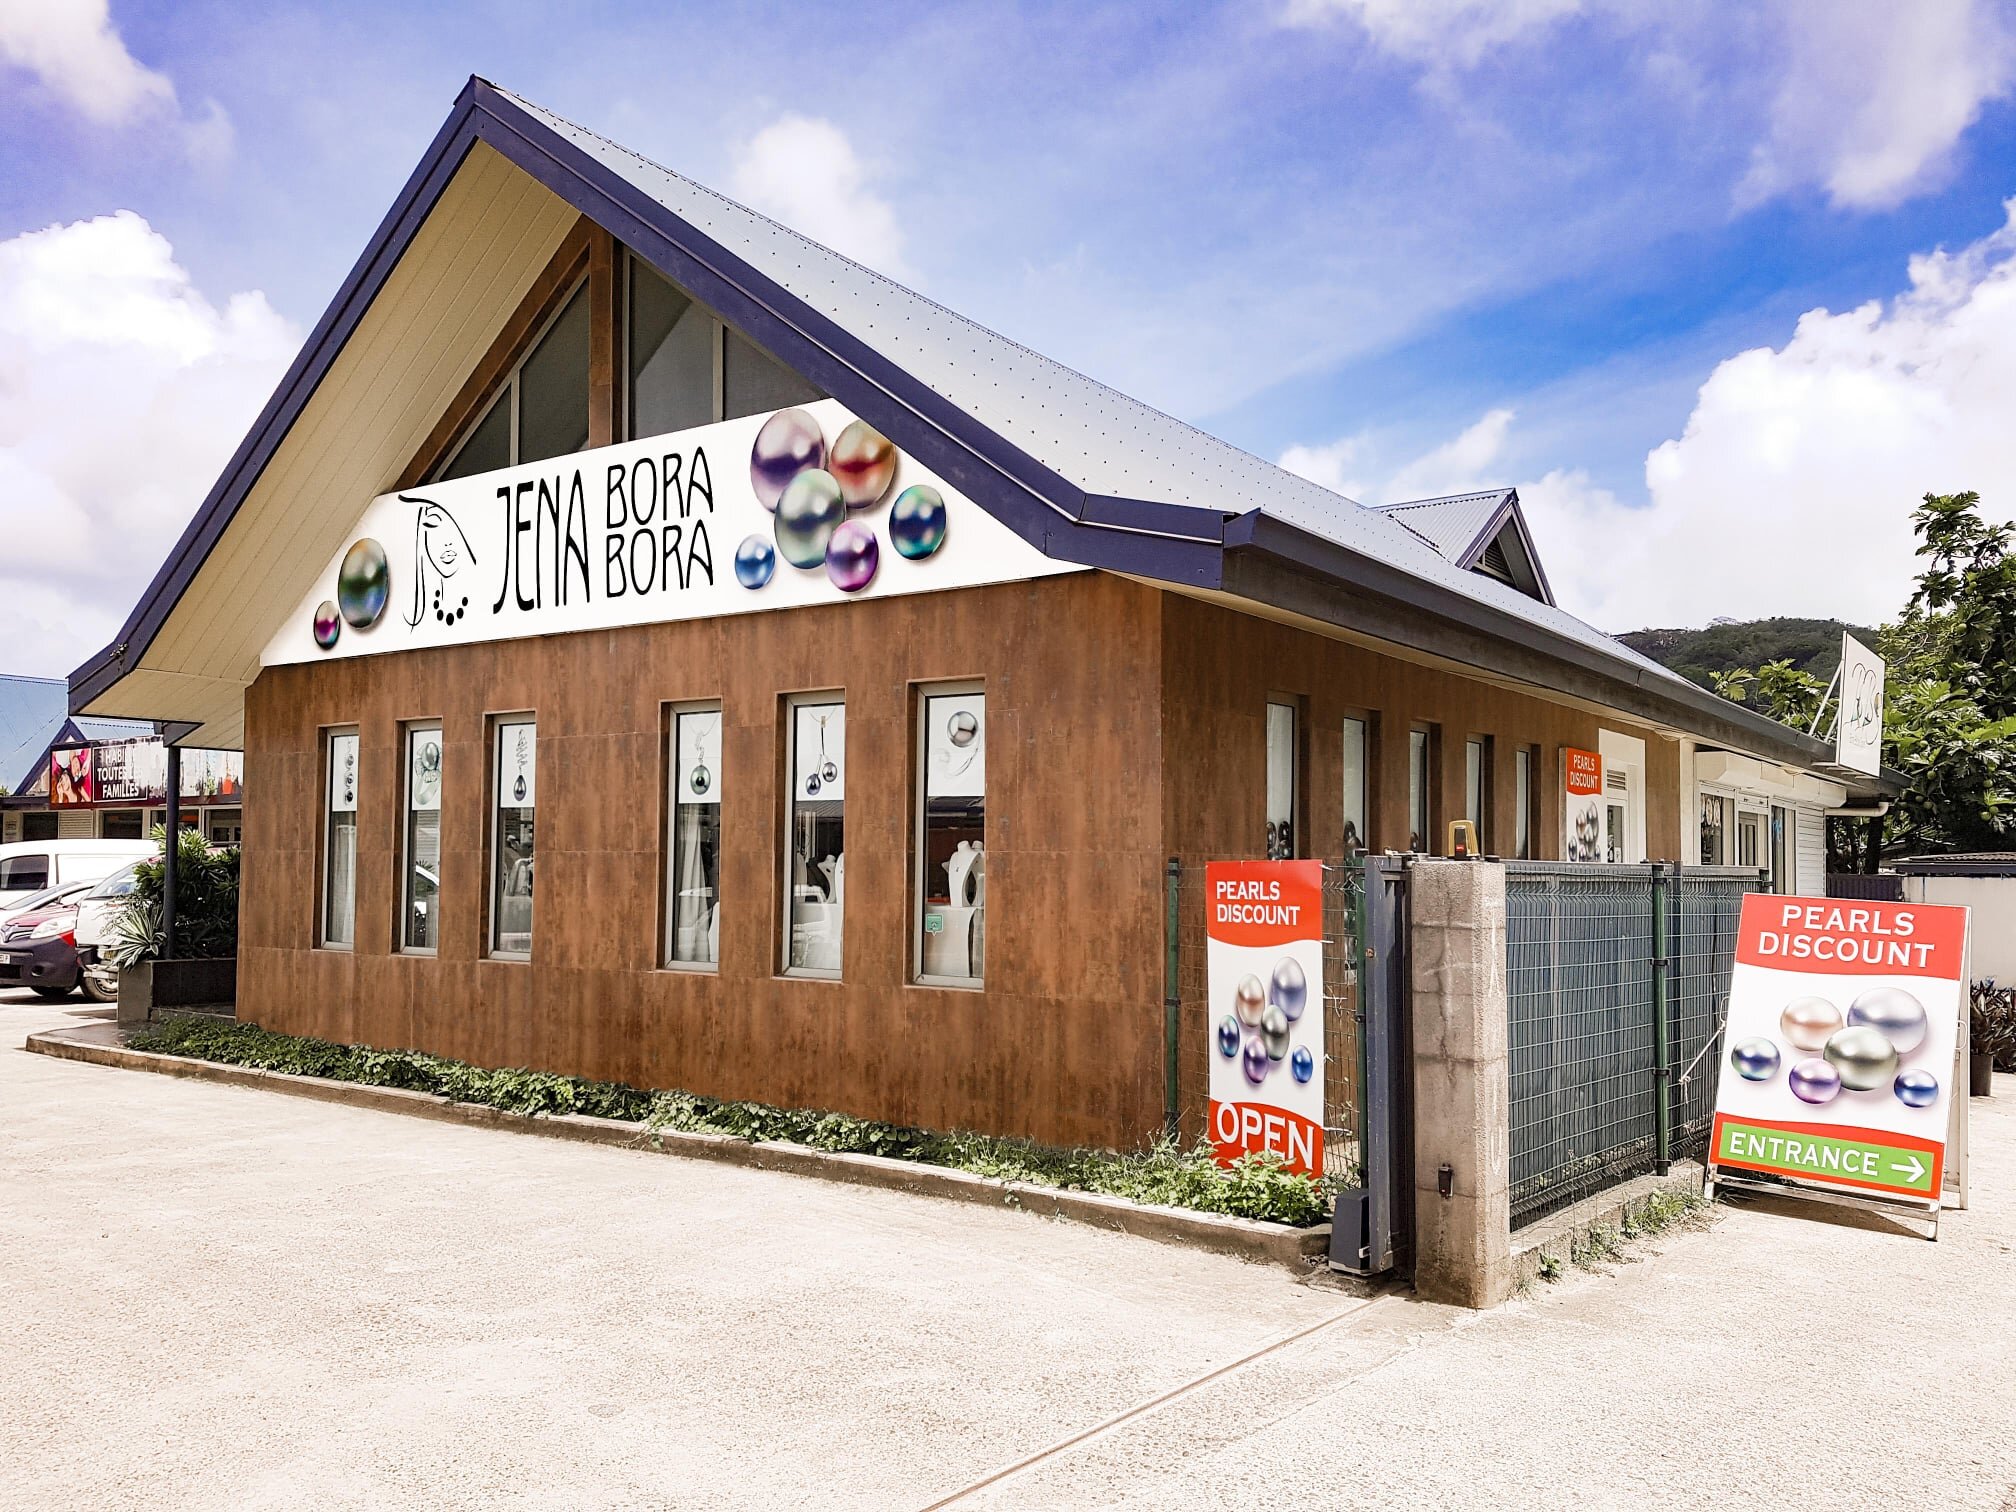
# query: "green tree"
1949,716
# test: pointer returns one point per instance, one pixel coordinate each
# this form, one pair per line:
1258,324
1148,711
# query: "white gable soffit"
1747,774
469,266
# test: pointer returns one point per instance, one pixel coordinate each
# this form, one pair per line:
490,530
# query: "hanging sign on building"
802,506
1858,728
1581,805
1264,973
134,774
1839,1054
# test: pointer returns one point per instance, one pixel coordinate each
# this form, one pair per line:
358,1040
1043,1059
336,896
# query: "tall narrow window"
1477,783
1420,791
339,843
1281,828
541,407
420,900
815,860
951,836
1714,830
674,350
693,914
1781,850
515,775
1522,803
1357,793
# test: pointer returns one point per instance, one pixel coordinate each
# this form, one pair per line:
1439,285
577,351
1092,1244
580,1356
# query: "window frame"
1525,806
1298,786
626,281
1368,766
1422,780
1477,787
325,832
494,726
408,729
791,704
506,387
921,753
668,874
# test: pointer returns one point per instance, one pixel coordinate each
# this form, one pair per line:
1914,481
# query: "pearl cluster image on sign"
363,589
1860,1051
1259,1030
819,493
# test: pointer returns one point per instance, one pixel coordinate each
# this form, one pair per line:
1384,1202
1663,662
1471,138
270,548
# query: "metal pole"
1662,1054
1172,995
168,852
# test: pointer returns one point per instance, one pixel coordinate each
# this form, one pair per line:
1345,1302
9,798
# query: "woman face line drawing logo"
440,550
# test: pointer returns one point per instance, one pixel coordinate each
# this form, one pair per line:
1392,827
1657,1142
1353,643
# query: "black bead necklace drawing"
700,779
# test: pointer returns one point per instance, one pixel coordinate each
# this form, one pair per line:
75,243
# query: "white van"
28,866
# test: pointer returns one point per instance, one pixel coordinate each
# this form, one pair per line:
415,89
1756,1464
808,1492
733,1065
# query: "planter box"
151,985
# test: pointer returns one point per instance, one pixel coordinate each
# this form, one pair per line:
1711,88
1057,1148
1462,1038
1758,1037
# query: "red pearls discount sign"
1838,1060
1264,967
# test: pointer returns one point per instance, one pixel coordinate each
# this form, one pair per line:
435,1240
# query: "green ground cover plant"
1163,1174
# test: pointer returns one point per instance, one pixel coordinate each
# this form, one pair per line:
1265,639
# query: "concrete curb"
1248,1238
1556,1236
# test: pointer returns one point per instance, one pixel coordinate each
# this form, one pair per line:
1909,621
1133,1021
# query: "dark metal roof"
1082,472
1964,864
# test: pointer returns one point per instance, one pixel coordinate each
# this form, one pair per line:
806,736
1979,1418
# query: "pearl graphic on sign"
755,561
1755,1059
962,728
807,515
1289,990
917,521
1865,1059
852,556
1894,1013
1249,1000
1814,1081
789,443
328,624
1228,1036
1302,1063
1916,1089
363,584
1255,1063
864,462
1808,1021
1274,1032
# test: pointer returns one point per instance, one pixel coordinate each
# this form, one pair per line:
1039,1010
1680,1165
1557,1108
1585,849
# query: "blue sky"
1404,245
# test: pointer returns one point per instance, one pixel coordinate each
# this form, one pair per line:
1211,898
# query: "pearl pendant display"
700,780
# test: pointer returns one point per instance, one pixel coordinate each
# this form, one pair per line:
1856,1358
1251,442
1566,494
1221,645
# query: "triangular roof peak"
1083,473
1484,531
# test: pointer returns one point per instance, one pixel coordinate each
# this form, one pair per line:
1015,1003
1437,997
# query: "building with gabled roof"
845,673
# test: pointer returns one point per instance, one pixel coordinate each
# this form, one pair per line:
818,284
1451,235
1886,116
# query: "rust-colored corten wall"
1219,670
1066,1042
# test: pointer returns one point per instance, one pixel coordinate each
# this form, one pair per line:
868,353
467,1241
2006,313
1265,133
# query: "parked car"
38,946
32,866
96,908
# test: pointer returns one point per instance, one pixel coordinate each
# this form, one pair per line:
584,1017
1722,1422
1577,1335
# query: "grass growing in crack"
1163,1174
1660,1211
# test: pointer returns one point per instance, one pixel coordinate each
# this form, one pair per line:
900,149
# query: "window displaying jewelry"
339,845
817,862
512,837
952,834
422,923
1280,781
694,918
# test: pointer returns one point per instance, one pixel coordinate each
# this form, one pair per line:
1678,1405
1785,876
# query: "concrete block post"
1462,1085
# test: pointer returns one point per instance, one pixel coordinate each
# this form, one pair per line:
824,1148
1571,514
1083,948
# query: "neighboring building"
502,583
1983,881
82,777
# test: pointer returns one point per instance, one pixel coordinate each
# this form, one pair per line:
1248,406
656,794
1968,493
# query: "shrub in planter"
206,905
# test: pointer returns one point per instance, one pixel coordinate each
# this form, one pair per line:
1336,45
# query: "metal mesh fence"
1582,947
1343,897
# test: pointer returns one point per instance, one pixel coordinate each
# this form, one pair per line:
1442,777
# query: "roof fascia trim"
304,375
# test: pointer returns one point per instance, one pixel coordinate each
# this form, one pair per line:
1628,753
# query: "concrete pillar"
1462,1087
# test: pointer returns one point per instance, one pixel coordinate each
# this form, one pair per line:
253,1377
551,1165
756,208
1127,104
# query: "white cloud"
123,390
77,54
1791,488
804,172
1865,98
1876,95
1474,459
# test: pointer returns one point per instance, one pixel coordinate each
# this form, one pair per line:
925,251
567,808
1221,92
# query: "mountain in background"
1812,645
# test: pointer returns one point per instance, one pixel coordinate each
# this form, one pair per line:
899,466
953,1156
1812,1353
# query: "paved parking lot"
216,1297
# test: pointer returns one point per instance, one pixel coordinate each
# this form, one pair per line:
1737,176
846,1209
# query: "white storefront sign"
1858,729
